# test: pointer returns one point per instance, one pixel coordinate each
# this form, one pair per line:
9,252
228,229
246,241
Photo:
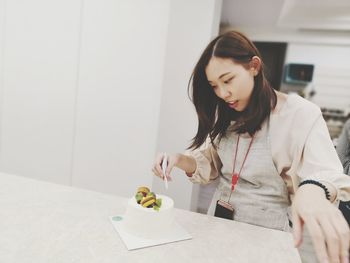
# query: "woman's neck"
281,100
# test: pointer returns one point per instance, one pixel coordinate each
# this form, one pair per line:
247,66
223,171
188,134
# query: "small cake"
149,215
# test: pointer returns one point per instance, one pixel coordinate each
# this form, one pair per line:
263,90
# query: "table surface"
43,222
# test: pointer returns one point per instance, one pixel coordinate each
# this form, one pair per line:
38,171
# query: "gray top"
260,196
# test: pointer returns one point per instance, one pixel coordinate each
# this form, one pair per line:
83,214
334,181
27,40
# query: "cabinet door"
40,44
120,81
273,55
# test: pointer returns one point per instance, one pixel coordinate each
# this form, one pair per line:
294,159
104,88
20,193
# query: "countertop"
45,222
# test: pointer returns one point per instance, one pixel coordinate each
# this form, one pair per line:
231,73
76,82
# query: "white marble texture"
47,223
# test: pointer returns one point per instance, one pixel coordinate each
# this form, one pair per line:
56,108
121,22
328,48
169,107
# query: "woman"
261,144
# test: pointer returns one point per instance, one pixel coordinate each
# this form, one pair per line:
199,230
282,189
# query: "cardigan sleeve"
302,148
319,160
208,165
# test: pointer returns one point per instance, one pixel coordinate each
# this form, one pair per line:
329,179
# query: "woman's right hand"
172,160
184,162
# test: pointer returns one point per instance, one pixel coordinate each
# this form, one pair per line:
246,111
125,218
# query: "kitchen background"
91,90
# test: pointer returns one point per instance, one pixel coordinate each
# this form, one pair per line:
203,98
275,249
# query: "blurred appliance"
298,73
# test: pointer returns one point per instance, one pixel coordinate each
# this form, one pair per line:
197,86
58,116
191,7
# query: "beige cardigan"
300,144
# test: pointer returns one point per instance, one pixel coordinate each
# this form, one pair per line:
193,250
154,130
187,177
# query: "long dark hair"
214,116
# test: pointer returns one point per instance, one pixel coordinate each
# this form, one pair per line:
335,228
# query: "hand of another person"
328,229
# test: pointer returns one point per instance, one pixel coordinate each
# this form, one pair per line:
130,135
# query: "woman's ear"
255,65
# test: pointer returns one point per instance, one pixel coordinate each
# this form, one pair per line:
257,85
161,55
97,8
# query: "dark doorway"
273,55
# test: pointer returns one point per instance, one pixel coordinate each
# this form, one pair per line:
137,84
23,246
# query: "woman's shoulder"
294,121
293,104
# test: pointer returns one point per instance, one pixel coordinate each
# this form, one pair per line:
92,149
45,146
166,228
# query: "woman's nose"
224,93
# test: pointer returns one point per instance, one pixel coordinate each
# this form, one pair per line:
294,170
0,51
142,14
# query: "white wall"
331,79
2,33
190,30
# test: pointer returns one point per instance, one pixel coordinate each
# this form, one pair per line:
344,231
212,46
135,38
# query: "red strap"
235,176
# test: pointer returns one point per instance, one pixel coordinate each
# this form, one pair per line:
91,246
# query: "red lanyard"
235,175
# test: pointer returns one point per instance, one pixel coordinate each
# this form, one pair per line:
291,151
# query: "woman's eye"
228,81
214,87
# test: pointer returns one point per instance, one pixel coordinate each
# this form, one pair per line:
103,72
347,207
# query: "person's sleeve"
208,165
343,147
320,162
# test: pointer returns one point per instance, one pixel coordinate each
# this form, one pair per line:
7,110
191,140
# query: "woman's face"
231,81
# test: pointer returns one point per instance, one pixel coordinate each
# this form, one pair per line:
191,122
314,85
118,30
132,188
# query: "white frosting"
147,222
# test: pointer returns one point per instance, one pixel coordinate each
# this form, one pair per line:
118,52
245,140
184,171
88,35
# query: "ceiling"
297,14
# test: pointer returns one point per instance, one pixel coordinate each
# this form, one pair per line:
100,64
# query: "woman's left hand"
328,229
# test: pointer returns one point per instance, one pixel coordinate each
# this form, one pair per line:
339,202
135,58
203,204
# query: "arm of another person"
343,147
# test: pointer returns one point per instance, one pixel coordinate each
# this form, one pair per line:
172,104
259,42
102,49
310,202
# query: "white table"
47,223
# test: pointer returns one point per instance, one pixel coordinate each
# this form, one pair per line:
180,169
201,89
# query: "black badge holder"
224,210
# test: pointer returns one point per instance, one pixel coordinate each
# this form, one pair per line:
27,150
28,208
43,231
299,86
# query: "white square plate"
131,241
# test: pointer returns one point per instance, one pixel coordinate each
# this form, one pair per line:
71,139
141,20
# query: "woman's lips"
233,104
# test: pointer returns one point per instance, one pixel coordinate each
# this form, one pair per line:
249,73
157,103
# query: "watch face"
224,210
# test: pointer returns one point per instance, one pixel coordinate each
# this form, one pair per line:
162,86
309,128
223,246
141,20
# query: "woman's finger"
155,172
342,229
318,238
169,168
158,167
331,237
297,228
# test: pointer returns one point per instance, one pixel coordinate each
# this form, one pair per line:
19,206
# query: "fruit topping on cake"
147,199
143,190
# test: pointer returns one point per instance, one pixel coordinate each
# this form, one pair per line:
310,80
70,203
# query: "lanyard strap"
245,157
235,176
